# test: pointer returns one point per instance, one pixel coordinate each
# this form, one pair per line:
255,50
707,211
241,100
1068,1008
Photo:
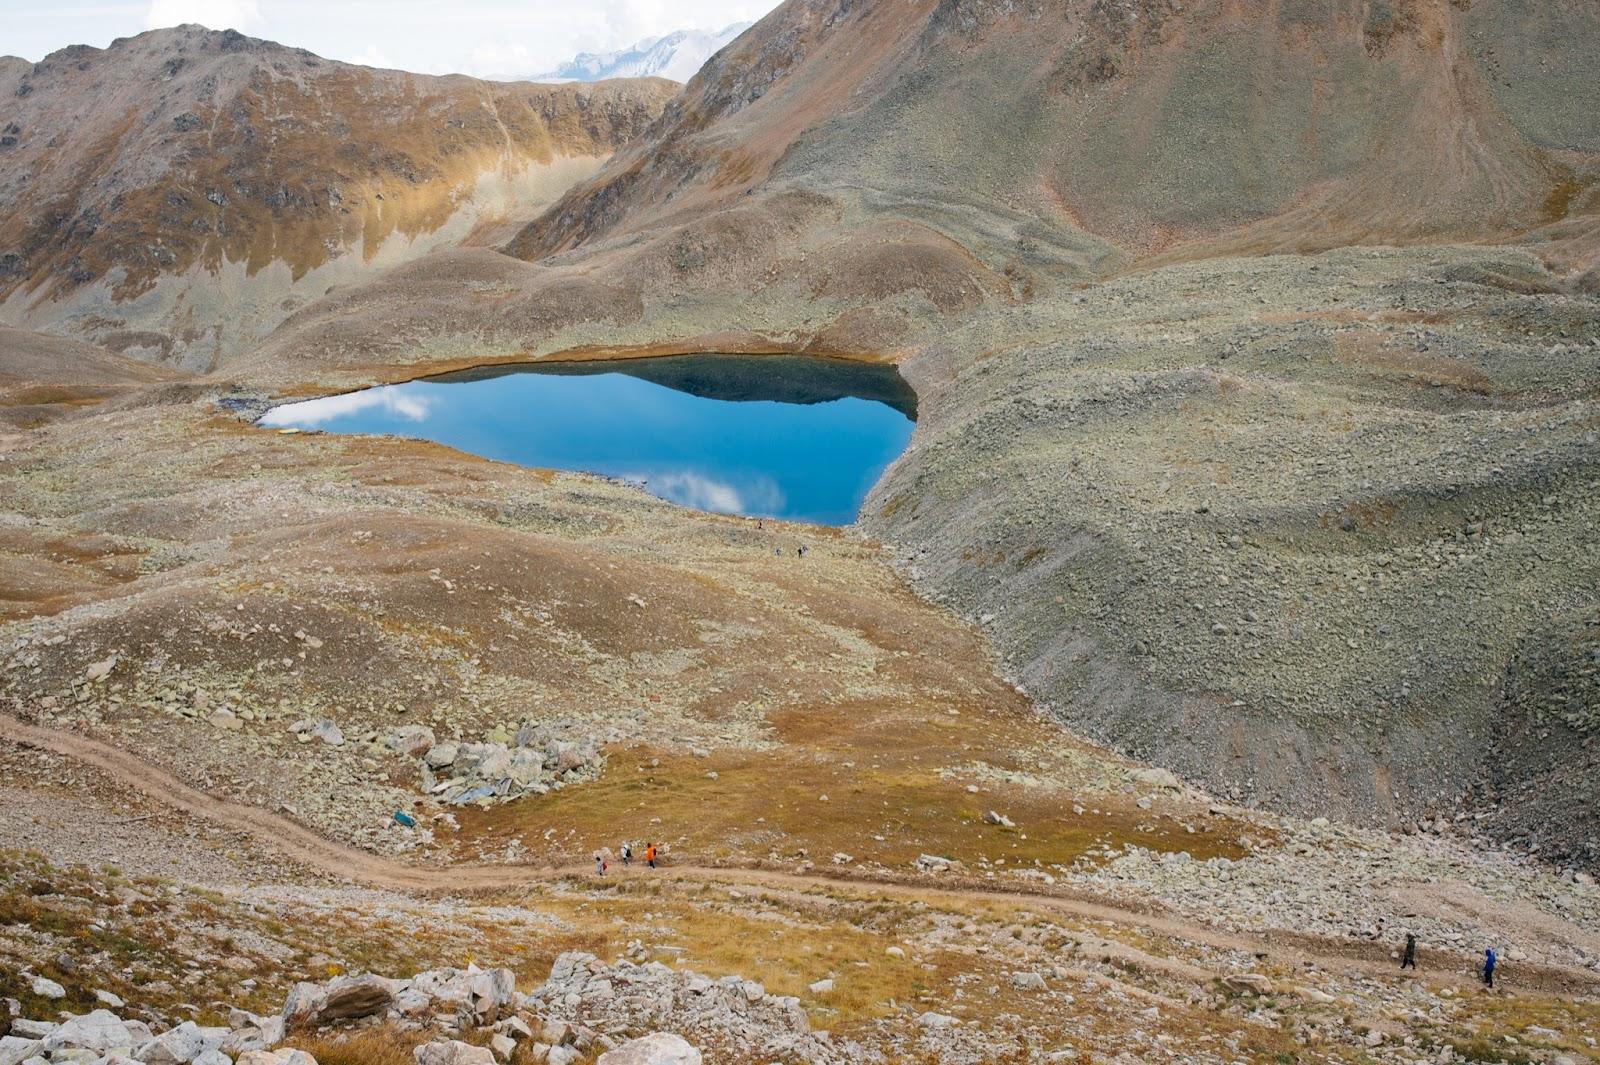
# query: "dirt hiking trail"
1291,949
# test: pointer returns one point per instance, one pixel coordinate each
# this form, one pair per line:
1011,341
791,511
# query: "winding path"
299,843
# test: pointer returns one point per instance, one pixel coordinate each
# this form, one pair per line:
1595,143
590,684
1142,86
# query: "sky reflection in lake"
770,436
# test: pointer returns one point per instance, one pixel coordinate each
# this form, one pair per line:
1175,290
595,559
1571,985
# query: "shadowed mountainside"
176,194
737,378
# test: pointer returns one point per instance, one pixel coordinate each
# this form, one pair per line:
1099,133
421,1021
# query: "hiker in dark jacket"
1489,961
1409,959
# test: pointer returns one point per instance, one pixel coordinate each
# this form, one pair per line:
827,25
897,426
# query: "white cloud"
371,56
212,14
475,36
499,58
314,412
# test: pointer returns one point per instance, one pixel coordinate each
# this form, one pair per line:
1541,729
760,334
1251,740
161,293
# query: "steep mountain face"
677,57
1149,124
175,195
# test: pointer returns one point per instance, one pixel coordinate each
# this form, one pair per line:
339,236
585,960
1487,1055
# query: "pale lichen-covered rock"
659,1048
281,1056
14,1049
452,1052
100,1030
176,1046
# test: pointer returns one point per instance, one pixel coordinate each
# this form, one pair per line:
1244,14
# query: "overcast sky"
482,37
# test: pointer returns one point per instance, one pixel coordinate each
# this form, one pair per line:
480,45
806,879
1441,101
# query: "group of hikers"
602,857
1408,960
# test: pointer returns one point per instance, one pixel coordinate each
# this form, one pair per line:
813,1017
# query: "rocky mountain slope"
676,56
936,183
175,195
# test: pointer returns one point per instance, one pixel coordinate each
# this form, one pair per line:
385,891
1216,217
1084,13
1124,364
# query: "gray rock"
1158,778
351,997
73,1056
47,988
411,740
1027,981
452,1052
15,1049
100,1031
302,1004
328,732
441,755
176,1046
281,1056
658,1048
1248,984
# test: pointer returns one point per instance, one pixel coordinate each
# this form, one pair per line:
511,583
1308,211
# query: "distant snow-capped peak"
677,56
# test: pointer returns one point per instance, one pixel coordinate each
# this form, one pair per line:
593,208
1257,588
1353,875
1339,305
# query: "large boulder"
453,1052
350,997
303,1003
411,740
45,987
176,1046
250,1031
281,1056
101,1031
492,991
1247,984
658,1048
14,1049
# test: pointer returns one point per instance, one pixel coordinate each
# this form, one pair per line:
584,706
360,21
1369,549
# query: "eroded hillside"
175,195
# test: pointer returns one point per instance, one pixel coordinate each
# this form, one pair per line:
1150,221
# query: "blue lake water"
788,437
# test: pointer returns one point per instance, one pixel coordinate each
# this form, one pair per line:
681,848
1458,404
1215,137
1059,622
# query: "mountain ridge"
676,56
168,194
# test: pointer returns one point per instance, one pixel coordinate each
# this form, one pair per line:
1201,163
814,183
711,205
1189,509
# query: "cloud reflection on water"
688,488
390,399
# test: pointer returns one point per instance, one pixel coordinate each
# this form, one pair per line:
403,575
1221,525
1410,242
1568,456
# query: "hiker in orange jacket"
650,854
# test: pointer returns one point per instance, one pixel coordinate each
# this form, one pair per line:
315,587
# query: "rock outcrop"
537,760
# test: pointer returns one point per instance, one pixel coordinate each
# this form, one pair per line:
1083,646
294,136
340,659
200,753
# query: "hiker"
1489,960
1409,959
650,854
627,854
599,864
801,551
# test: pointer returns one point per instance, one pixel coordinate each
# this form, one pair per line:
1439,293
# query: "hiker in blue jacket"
1489,960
